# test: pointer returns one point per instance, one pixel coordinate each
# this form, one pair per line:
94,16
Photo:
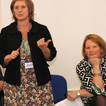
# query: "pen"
19,48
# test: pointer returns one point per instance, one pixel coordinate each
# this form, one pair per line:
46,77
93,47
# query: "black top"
1,75
11,39
1,92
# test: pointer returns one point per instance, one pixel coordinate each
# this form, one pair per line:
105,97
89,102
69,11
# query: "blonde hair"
97,39
30,5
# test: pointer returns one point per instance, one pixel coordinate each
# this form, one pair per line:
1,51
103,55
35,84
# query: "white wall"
69,21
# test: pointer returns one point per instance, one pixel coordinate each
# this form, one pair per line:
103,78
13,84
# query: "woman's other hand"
14,54
95,61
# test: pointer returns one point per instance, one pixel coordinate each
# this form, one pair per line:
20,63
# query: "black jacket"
11,38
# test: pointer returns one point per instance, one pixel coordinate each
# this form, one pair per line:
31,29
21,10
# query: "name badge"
28,65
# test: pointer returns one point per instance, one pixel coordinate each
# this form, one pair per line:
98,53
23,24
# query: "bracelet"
97,74
7,58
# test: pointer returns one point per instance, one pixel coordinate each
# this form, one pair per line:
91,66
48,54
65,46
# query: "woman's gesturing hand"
42,44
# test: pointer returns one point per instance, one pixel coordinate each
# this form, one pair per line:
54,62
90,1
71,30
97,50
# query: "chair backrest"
59,86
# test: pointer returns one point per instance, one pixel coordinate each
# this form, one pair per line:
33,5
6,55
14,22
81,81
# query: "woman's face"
92,49
21,10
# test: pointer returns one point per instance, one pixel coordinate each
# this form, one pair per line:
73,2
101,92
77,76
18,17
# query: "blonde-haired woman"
25,48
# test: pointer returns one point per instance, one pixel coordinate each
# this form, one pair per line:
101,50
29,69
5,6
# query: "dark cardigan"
11,38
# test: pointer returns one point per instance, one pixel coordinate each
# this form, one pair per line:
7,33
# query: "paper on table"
67,102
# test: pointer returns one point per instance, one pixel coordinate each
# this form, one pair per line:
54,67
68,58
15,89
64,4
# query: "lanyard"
28,29
26,48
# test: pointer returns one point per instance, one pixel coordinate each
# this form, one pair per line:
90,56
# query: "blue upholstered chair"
59,86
